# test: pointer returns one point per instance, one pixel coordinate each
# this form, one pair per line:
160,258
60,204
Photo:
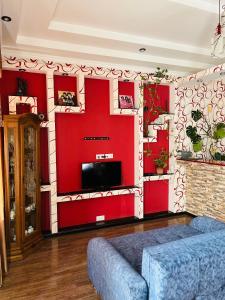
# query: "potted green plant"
161,162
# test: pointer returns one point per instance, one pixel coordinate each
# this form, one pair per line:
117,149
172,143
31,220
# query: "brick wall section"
205,189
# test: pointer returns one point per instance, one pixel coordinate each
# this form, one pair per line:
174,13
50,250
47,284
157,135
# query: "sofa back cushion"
207,224
186,269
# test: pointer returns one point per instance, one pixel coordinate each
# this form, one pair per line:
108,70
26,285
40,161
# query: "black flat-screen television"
101,175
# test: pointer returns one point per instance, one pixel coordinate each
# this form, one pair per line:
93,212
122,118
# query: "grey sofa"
181,262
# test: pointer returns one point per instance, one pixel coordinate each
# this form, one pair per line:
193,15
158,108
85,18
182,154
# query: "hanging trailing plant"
150,105
214,132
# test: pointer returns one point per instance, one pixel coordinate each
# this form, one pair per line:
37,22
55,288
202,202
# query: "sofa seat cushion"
131,246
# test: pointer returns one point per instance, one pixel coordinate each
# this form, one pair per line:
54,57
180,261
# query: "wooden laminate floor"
57,268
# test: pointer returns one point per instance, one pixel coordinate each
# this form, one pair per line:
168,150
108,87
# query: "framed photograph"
66,98
126,101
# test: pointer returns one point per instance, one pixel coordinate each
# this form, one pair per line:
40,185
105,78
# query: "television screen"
101,175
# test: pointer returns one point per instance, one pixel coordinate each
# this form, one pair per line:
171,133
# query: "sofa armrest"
112,276
207,224
187,268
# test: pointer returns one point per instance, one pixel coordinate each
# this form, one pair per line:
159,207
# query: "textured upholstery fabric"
181,262
207,224
186,269
131,246
112,276
217,295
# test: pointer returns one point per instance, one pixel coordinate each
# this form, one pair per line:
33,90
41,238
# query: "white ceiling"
176,33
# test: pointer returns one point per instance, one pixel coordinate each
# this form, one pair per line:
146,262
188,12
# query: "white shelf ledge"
157,177
125,112
83,196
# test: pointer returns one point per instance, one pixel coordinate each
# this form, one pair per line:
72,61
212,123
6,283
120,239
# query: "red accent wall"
85,211
64,83
72,149
160,94
162,143
126,88
156,192
45,211
36,87
156,196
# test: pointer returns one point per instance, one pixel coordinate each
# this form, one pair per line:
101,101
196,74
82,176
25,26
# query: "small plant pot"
159,171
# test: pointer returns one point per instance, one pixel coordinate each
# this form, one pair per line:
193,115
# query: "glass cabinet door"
29,180
12,195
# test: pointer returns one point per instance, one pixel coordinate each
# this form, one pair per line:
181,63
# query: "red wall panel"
45,211
126,88
44,156
162,143
155,196
36,87
64,83
72,149
159,94
85,211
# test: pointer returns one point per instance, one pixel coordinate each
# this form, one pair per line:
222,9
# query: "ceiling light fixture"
6,19
218,41
142,50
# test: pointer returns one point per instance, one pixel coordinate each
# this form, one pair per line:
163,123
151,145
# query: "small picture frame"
126,101
66,98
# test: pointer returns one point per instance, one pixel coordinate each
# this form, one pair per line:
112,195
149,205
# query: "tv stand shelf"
87,194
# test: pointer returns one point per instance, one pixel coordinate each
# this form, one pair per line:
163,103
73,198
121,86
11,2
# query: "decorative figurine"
21,87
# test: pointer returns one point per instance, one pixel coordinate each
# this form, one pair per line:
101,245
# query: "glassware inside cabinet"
12,203
30,179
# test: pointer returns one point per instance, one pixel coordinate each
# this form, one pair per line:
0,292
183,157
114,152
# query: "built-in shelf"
156,177
149,139
201,161
84,194
67,109
125,111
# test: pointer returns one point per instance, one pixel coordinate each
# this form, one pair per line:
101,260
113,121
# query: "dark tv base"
116,222
105,189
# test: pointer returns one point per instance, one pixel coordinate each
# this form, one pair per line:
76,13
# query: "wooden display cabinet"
22,183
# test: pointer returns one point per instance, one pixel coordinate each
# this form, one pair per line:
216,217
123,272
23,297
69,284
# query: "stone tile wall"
205,189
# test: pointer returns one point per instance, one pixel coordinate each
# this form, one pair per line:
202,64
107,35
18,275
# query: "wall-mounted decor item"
96,138
21,87
66,98
41,116
126,101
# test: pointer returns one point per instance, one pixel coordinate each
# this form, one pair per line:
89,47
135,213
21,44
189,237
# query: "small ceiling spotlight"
6,19
142,50
22,70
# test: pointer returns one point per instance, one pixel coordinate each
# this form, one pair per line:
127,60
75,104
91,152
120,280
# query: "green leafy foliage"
192,134
197,146
161,161
219,156
219,132
196,115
